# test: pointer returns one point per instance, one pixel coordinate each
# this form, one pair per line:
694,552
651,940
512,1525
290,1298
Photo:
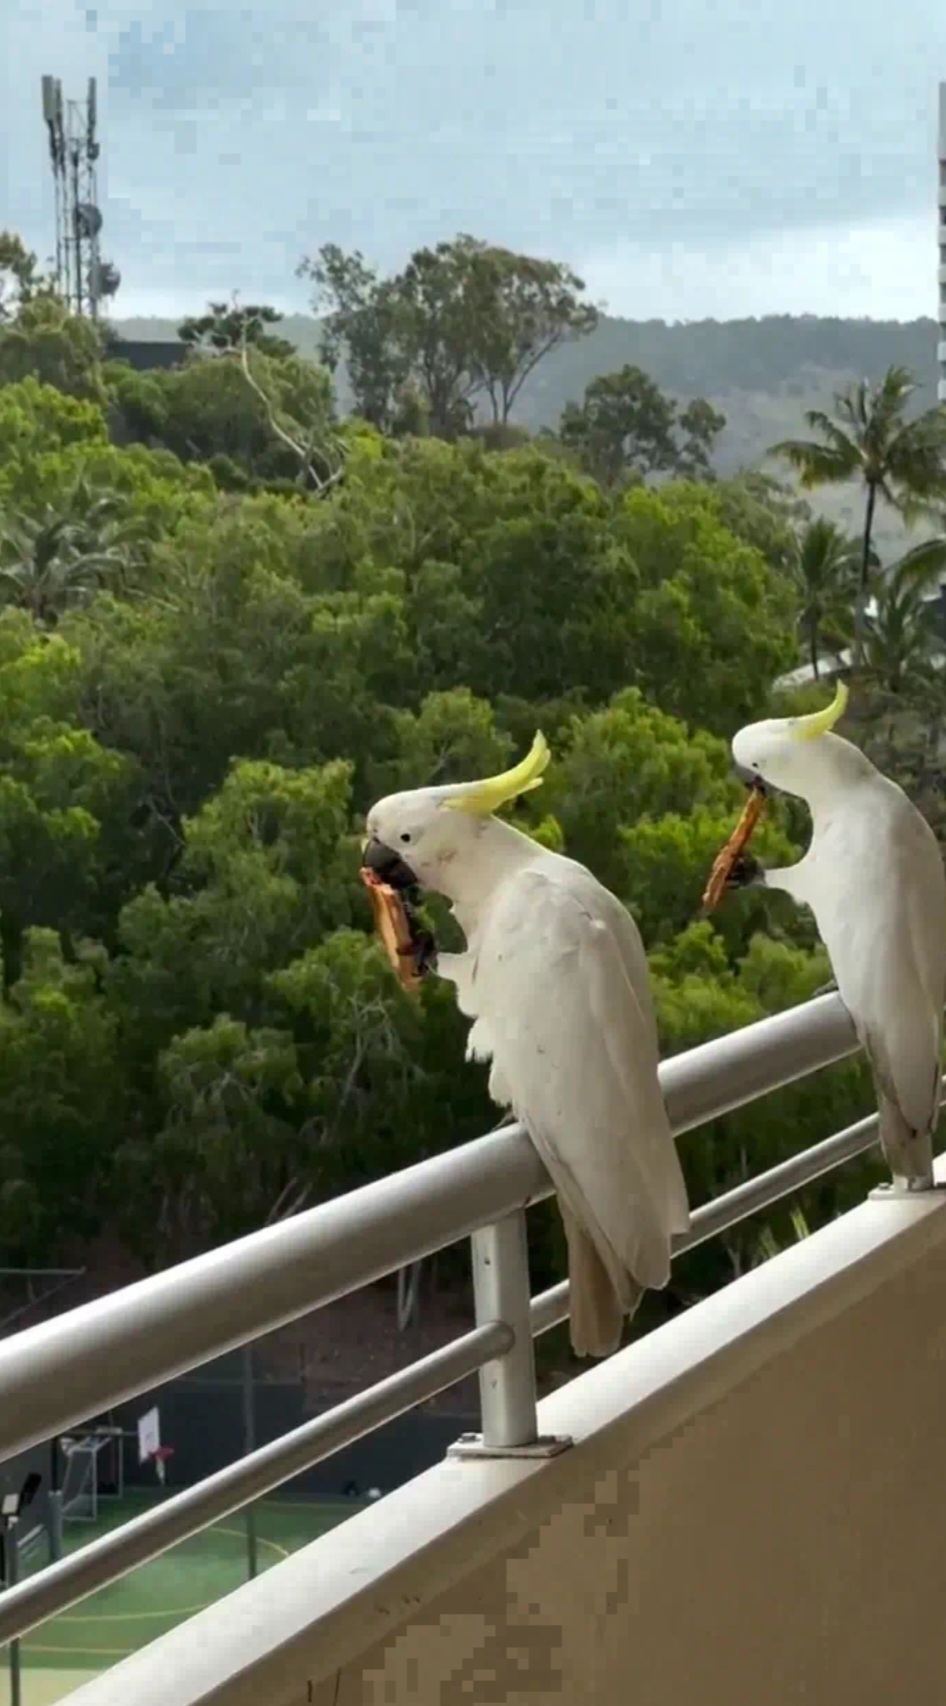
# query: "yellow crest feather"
820,722
482,799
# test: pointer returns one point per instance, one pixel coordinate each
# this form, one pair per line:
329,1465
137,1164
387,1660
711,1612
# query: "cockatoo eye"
406,837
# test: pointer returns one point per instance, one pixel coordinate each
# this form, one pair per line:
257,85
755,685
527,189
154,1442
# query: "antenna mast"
82,278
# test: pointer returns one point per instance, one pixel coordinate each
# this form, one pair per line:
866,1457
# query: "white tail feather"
597,1313
908,1153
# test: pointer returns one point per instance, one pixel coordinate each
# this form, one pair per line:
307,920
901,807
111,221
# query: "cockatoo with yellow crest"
555,980
873,877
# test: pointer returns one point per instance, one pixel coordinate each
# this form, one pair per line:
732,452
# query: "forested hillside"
712,358
762,374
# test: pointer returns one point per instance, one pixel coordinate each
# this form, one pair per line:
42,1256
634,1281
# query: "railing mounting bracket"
547,1445
901,1193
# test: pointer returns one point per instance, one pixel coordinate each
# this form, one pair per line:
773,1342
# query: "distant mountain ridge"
762,373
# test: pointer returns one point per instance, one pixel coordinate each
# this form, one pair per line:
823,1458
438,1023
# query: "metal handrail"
113,1555
550,1308
55,1375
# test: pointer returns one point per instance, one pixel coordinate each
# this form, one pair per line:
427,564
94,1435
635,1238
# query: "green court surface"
118,1619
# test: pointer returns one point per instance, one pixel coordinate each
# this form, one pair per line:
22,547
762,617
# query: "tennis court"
118,1619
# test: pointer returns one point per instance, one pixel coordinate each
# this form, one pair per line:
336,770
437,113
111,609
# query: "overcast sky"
687,158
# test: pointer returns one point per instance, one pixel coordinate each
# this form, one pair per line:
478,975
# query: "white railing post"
501,1292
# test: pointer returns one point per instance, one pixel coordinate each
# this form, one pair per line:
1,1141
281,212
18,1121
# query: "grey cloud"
244,136
191,61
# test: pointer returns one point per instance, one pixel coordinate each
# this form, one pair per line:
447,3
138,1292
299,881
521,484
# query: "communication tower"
82,278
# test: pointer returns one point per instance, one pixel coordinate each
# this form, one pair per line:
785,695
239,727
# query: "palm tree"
900,636
48,565
869,439
823,569
924,565
902,628
55,561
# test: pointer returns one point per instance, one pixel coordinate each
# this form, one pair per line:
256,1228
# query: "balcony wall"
751,1512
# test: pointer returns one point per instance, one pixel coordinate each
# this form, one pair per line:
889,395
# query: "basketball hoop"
161,1458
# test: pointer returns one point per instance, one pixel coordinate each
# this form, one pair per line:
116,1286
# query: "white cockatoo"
555,980
873,877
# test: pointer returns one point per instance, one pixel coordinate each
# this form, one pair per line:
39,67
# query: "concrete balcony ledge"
751,1511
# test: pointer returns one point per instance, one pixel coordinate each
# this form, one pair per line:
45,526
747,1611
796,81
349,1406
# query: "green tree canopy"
216,651
463,320
48,343
626,427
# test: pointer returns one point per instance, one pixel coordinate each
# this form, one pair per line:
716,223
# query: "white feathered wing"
556,980
878,890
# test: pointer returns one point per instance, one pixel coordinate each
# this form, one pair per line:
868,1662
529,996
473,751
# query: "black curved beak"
750,779
388,865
